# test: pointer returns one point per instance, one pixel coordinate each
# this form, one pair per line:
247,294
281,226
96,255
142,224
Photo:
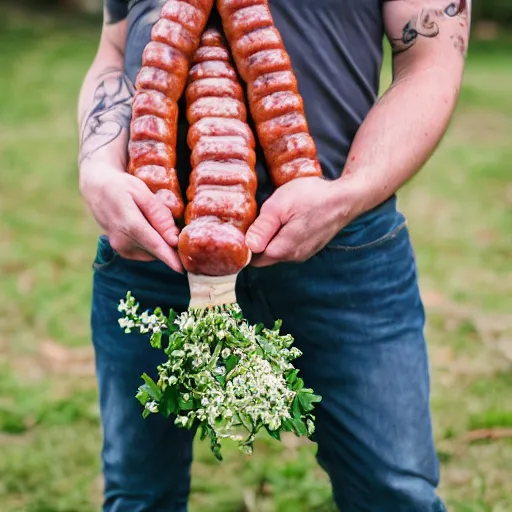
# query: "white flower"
172,380
152,407
220,370
186,397
225,353
181,420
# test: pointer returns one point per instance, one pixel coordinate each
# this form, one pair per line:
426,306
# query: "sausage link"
216,126
223,182
166,61
274,100
214,87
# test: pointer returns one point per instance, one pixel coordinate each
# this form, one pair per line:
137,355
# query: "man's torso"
336,50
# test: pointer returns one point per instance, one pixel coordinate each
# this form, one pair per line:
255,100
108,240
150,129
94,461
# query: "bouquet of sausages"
223,376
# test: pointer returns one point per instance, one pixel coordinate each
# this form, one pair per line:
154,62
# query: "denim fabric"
354,310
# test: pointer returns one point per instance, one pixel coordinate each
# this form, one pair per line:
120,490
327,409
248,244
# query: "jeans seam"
383,239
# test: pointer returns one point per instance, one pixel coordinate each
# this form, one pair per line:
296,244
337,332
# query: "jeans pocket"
368,235
105,255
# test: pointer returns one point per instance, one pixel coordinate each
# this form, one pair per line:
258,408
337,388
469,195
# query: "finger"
262,260
158,215
281,248
263,229
151,241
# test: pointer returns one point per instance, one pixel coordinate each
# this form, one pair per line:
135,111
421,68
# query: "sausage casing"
166,61
223,181
274,100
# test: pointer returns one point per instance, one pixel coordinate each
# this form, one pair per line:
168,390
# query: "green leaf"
307,399
188,405
292,377
258,329
299,427
273,433
296,412
170,401
231,362
154,391
221,379
287,425
298,385
156,340
277,325
172,317
143,395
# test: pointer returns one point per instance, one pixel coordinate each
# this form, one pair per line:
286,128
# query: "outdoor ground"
460,215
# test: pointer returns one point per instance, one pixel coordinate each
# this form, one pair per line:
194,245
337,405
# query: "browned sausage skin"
223,180
166,61
274,100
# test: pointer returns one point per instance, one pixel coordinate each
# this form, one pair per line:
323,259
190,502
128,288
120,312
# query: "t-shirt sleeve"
116,10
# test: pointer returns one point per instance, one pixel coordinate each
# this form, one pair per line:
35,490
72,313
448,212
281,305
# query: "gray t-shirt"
336,50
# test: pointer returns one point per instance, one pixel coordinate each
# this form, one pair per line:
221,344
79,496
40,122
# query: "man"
332,256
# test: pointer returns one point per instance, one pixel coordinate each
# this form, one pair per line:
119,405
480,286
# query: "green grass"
459,211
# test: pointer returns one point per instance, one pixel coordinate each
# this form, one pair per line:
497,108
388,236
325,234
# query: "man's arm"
104,107
429,40
139,226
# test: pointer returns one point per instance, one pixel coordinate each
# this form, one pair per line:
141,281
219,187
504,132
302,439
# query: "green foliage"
223,377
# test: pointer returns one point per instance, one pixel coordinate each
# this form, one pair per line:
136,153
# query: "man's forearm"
104,107
104,116
398,136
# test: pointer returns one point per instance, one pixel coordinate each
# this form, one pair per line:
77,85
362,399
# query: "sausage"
166,61
274,100
223,182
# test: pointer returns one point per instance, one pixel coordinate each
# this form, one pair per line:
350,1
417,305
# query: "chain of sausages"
275,103
223,181
159,85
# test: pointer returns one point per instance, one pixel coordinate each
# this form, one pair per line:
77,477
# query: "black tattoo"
426,24
459,44
115,11
110,112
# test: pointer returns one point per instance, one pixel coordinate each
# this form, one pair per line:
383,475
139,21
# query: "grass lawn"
460,215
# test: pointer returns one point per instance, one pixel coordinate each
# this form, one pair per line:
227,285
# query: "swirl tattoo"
426,24
110,113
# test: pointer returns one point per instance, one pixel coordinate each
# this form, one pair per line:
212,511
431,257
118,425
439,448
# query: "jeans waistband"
387,207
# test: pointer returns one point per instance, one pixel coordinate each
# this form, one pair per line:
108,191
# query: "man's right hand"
139,226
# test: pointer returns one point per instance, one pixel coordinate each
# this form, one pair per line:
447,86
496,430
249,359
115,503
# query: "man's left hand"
298,220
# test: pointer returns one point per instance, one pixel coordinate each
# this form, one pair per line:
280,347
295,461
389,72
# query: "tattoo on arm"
426,24
110,112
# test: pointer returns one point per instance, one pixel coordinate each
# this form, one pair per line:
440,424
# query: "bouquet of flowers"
222,376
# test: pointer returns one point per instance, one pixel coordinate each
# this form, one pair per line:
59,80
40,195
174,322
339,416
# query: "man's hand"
138,225
299,220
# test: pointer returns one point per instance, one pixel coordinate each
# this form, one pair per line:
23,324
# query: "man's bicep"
427,32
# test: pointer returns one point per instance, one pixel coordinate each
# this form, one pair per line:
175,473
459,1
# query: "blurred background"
460,215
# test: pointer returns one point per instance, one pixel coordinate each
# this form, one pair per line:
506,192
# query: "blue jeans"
354,310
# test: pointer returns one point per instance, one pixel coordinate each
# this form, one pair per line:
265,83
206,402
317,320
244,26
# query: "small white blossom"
220,370
152,407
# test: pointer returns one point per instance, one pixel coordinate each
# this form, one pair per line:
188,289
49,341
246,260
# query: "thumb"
263,230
